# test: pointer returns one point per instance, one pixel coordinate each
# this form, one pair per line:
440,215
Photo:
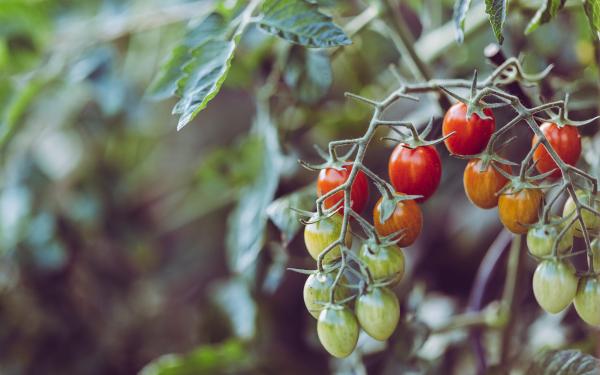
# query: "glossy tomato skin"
554,285
415,171
518,208
565,140
587,300
481,185
320,234
338,330
472,135
591,221
317,288
378,312
540,239
330,178
407,216
386,263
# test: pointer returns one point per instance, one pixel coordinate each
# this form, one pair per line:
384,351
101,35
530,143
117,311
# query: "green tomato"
540,239
319,235
587,300
591,221
338,330
554,285
596,254
378,312
384,262
317,288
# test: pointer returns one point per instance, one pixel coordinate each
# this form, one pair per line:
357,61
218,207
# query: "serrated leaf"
300,22
460,13
308,74
592,11
496,11
545,13
565,362
285,219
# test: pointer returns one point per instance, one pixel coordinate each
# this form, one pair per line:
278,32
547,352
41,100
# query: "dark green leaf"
308,74
284,218
460,13
496,11
592,11
300,22
545,13
565,362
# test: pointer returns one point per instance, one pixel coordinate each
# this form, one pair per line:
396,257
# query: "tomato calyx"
331,159
414,139
388,206
561,119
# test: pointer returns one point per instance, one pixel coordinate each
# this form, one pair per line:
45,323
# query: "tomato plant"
385,262
541,238
565,140
338,330
330,178
406,220
517,209
472,134
378,312
483,184
322,232
415,171
317,289
591,221
554,285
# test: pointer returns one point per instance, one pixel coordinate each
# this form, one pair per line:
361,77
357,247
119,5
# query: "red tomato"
330,178
415,171
407,216
470,136
565,140
481,186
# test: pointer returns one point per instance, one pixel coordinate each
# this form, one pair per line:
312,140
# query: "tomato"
317,288
565,140
338,330
587,300
415,171
591,221
596,254
384,262
320,234
330,178
554,285
518,208
540,239
472,135
406,216
481,185
378,312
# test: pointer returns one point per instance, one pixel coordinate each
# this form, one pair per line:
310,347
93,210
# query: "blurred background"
128,246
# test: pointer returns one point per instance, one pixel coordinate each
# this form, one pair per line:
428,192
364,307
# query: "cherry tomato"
472,135
317,289
591,221
596,253
540,239
554,285
517,209
415,171
587,300
338,330
406,217
378,312
330,178
385,263
320,234
481,185
565,140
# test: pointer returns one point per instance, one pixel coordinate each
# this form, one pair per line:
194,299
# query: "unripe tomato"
338,330
518,208
406,216
319,235
384,262
596,253
540,239
330,178
592,222
587,300
472,135
378,312
415,171
481,186
565,140
554,285
317,289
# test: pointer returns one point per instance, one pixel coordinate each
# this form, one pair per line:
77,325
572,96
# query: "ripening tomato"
407,217
320,234
554,285
591,221
541,239
415,171
317,288
481,185
338,330
378,312
330,178
565,140
385,263
587,300
520,208
472,135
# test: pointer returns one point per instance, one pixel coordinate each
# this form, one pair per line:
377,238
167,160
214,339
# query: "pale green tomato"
596,254
592,222
587,300
384,262
554,285
338,330
378,312
540,239
319,235
317,289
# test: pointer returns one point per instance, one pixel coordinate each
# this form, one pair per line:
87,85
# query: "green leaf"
545,13
285,219
300,22
496,11
460,13
233,298
592,11
308,74
565,362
